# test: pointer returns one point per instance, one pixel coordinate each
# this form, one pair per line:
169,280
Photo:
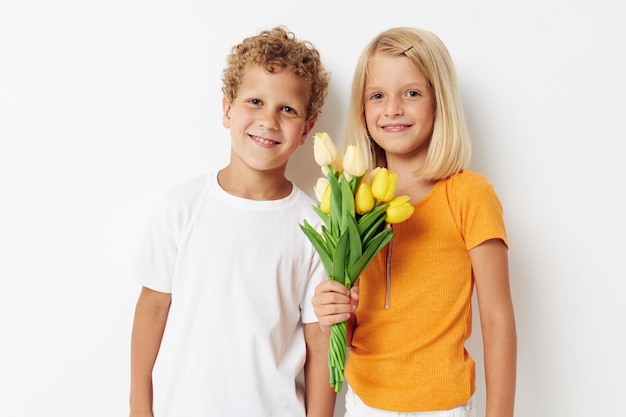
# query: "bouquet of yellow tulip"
356,207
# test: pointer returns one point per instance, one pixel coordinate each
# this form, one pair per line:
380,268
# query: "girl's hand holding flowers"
334,303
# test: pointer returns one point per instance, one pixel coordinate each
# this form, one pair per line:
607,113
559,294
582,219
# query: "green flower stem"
337,354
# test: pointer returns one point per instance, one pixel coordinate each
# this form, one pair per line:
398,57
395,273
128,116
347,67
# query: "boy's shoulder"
183,194
190,186
304,197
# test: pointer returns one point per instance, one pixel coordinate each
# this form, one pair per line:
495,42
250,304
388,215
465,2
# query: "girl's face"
399,107
267,119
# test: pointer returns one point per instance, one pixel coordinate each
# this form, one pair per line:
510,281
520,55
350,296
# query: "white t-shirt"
241,274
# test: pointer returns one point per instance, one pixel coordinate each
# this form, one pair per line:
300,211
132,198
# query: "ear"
307,128
226,107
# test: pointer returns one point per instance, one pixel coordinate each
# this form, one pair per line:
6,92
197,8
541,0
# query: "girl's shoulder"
468,182
469,189
475,207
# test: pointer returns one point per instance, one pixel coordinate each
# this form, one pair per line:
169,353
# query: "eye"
413,93
376,96
255,101
288,109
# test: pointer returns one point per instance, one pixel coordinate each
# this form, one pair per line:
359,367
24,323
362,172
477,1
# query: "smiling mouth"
263,141
395,127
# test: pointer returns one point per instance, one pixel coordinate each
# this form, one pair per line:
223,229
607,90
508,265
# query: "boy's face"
267,119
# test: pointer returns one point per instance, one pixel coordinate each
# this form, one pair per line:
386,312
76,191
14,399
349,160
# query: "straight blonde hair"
449,149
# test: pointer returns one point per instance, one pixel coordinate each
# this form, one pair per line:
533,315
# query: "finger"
330,299
354,293
332,286
332,308
327,321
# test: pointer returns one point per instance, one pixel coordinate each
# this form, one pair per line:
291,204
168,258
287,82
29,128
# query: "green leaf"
331,241
374,229
339,259
371,250
320,246
325,217
354,182
368,219
356,247
335,204
347,204
379,241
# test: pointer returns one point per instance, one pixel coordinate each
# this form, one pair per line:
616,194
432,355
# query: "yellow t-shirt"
408,350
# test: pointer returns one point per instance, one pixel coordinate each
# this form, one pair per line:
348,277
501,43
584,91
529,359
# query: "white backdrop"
104,105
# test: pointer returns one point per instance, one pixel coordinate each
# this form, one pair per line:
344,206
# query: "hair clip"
407,49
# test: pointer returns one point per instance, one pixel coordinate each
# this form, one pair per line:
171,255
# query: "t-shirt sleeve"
155,258
479,212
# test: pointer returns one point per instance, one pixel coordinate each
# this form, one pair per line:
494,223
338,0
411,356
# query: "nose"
267,120
393,106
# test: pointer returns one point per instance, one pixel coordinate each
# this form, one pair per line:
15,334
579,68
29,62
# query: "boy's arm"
320,396
491,274
148,326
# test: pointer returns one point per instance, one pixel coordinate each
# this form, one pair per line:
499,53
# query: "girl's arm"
320,396
497,319
149,323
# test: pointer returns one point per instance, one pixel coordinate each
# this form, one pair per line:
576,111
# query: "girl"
414,301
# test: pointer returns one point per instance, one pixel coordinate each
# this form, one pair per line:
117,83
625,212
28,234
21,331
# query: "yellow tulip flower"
384,185
354,164
326,153
320,187
325,201
399,210
363,199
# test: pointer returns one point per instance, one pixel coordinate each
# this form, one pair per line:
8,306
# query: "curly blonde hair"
275,50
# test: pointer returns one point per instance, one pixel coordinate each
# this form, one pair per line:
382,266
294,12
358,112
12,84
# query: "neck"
260,186
408,183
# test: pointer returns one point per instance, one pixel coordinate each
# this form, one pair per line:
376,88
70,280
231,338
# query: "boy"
224,323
